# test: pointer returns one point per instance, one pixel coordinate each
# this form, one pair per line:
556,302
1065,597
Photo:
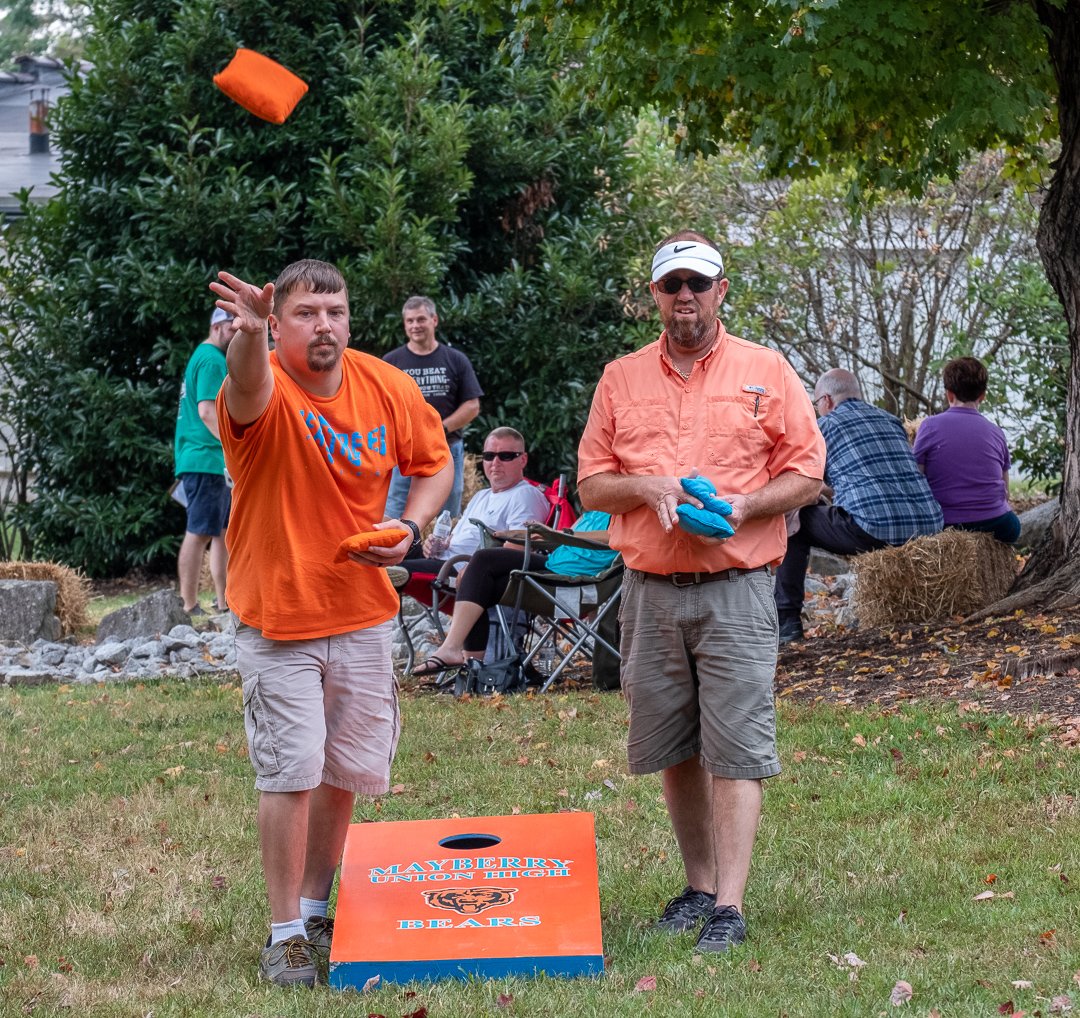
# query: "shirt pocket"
642,433
740,430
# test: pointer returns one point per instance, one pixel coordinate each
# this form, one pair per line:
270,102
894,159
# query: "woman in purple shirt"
965,458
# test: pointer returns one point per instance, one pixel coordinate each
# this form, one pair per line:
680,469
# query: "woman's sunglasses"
672,284
506,457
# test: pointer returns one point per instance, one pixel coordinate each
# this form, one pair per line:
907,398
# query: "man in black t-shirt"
447,380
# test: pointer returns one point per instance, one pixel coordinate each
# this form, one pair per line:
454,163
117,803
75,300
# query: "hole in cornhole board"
469,842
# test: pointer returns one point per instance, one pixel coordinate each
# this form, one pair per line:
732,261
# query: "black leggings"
485,581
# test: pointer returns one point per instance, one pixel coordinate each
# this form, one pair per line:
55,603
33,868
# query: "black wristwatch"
415,531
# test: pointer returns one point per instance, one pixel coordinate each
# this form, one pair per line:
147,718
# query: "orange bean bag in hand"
370,539
261,85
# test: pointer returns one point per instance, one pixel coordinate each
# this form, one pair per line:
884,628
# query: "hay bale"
956,572
72,589
911,427
473,477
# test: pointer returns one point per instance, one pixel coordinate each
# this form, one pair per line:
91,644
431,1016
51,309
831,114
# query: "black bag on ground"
506,675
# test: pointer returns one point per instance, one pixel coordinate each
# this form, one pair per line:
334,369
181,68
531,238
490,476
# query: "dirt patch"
1023,664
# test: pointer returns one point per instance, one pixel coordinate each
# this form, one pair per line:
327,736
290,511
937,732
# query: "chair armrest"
538,533
447,571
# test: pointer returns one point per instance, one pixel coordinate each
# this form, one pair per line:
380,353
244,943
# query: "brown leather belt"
690,579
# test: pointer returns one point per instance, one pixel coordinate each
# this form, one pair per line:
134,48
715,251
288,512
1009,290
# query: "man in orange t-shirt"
699,628
311,433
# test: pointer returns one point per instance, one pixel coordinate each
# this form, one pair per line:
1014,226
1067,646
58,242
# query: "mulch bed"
1022,664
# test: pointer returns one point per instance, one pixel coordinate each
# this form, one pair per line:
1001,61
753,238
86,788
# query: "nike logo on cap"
685,247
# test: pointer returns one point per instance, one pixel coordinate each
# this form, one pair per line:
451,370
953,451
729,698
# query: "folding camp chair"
434,593
571,615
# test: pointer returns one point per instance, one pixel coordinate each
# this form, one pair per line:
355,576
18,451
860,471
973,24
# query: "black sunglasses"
506,457
672,284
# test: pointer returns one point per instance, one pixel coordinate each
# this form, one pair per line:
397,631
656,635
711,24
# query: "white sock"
282,931
312,906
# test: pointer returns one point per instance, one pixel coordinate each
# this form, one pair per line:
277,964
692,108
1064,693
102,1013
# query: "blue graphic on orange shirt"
349,445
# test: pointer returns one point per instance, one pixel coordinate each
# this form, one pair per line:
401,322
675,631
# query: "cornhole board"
481,896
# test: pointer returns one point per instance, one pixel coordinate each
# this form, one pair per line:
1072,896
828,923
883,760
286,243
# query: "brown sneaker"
289,962
320,932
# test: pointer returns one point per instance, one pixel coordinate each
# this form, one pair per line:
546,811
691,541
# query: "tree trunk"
1052,577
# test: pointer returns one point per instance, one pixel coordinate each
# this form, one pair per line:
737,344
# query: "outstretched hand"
250,305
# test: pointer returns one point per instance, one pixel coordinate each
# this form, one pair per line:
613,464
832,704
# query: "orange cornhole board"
450,899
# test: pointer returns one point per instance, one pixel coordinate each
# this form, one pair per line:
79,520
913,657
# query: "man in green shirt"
200,465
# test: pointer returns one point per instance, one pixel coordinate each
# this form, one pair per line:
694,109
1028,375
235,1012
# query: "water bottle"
440,534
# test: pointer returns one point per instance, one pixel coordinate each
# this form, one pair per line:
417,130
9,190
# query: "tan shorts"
322,710
698,669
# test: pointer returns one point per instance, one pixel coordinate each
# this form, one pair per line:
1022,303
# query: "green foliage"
418,161
904,90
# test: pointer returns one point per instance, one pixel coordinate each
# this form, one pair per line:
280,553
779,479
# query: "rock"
28,611
824,563
1036,523
844,584
30,677
112,653
149,617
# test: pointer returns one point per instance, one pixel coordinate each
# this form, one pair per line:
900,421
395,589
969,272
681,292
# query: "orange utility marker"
450,899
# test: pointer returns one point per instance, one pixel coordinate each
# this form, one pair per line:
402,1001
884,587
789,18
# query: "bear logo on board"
470,900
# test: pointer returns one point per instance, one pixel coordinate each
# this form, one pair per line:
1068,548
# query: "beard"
322,358
689,333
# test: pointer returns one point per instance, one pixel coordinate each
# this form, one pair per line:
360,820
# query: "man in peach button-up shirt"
699,635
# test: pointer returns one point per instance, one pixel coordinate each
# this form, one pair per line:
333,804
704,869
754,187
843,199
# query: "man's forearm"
462,415
781,495
617,493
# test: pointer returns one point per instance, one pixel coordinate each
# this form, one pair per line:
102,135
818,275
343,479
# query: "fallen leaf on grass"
901,993
646,984
420,1012
371,984
397,789
1022,984
31,961
1006,1008
754,965
984,896
504,1000
1061,1004
1047,938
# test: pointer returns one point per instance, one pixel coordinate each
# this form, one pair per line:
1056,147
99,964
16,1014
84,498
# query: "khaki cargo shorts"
698,669
321,710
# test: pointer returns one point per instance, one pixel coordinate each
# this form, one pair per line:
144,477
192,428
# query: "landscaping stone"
28,611
181,653
150,616
824,563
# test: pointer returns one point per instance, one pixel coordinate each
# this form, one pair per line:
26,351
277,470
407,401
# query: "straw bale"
473,477
72,589
956,572
911,427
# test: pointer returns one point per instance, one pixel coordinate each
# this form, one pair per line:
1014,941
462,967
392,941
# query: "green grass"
130,883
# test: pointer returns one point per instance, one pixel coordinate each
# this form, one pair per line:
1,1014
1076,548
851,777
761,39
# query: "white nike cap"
687,254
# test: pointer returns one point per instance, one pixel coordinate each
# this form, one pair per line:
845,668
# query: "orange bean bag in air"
370,539
261,85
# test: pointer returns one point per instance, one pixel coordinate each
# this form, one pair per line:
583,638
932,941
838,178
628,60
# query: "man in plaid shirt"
879,495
